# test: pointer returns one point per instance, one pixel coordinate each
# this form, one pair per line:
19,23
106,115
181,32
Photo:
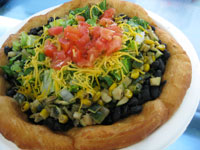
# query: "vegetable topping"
89,67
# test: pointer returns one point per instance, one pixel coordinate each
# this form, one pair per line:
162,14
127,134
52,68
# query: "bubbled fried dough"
15,127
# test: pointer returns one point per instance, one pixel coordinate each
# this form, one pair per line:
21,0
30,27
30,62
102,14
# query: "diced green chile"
100,115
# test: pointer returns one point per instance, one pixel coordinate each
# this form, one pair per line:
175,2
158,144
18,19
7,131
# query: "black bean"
11,92
136,109
147,82
140,99
51,19
33,31
116,114
39,28
158,73
160,41
121,15
108,120
49,122
133,101
126,17
56,126
29,112
125,110
146,93
153,28
166,55
155,92
7,49
155,65
57,17
161,65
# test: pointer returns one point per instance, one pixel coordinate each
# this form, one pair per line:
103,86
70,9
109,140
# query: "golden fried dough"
15,127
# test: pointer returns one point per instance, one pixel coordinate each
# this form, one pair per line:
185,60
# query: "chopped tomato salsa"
83,44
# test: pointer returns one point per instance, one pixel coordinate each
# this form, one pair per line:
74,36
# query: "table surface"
184,14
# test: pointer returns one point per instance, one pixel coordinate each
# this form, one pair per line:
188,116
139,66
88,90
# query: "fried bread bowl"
15,127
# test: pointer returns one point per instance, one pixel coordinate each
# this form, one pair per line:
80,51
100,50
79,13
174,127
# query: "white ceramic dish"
173,128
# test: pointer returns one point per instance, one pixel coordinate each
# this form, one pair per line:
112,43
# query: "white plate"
173,128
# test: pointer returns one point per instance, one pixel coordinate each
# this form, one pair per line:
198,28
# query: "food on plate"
89,74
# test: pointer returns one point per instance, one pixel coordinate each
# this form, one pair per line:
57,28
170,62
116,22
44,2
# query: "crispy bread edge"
120,134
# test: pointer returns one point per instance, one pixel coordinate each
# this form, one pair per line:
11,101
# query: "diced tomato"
95,32
59,55
106,34
64,44
49,49
109,13
57,64
55,30
76,54
118,30
80,18
81,43
100,45
114,45
68,53
72,33
106,22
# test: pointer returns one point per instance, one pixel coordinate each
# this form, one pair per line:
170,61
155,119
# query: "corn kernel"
161,47
25,106
146,67
135,74
97,96
100,102
112,87
128,93
149,42
153,58
44,113
63,118
86,102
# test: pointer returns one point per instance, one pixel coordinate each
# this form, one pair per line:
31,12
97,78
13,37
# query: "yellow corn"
112,87
161,47
128,93
135,74
86,102
146,67
97,96
149,42
63,118
44,113
100,102
25,106
153,58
